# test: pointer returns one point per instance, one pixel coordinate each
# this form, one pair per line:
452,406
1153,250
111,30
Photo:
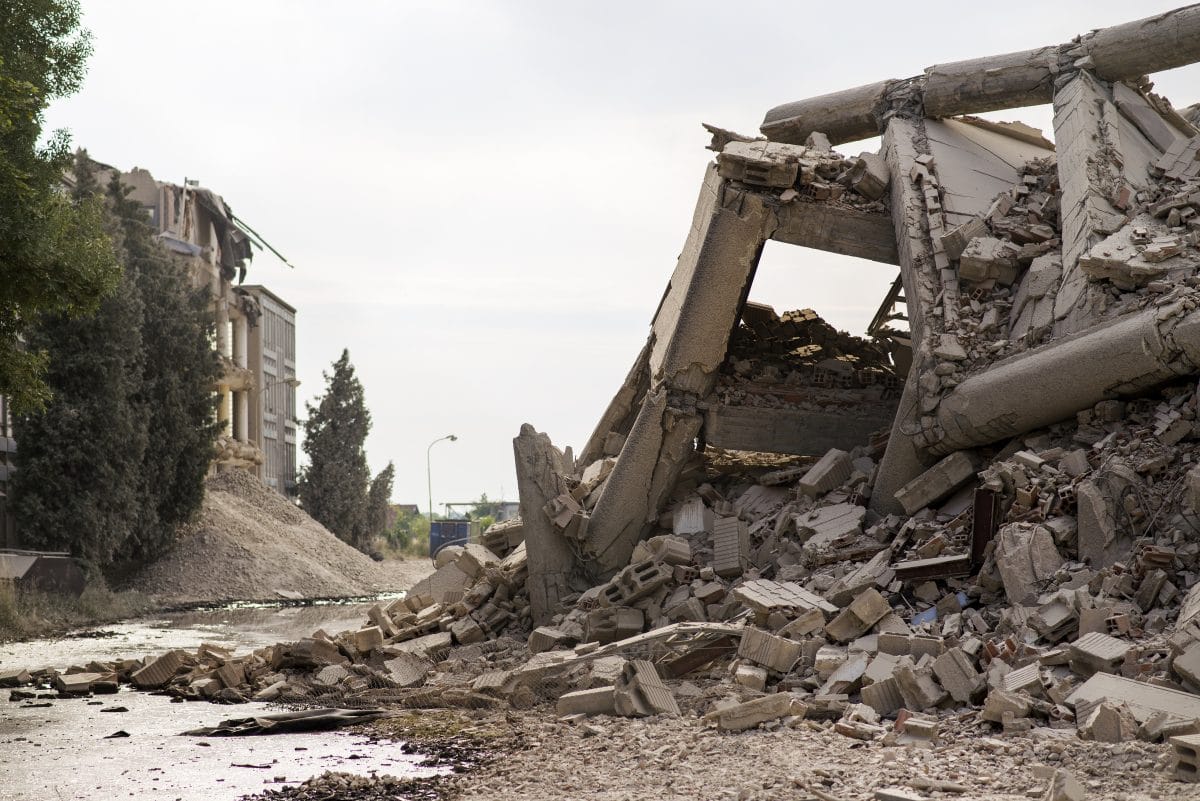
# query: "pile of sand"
250,543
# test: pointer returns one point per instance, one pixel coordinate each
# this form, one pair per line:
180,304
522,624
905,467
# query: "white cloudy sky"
484,200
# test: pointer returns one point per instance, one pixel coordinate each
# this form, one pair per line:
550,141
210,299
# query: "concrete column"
224,347
1052,383
243,415
225,411
240,337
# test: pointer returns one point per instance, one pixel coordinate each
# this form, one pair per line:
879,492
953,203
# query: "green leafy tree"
379,499
333,487
115,461
55,257
410,534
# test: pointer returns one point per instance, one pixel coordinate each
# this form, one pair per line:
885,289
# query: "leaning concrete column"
690,337
1052,383
902,461
550,559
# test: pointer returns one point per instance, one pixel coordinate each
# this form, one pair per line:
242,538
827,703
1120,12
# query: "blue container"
448,532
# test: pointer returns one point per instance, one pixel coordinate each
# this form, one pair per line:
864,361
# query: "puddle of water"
60,752
240,627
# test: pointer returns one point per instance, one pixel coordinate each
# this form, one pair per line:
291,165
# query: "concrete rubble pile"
768,526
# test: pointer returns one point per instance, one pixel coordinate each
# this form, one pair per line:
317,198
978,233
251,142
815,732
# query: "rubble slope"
248,542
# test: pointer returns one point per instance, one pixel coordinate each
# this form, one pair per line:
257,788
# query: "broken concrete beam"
622,409
159,671
540,468
938,481
856,619
993,83
775,653
830,472
837,229
750,714
1052,383
596,701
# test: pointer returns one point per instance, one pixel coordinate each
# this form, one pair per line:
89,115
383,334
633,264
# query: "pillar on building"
225,410
240,337
243,415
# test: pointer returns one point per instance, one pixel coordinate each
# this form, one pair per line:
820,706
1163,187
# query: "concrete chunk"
958,675
1027,558
830,472
157,673
774,653
863,612
759,710
596,701
938,481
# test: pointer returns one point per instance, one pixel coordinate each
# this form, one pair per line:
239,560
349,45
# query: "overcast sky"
484,200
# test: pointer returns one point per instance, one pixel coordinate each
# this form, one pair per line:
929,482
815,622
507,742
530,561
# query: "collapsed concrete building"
995,509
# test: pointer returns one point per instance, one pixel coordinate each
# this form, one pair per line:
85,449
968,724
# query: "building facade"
272,355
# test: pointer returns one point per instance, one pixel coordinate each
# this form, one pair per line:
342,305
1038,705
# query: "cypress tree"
115,462
333,487
379,499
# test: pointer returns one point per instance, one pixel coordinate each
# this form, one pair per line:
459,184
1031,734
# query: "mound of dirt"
250,543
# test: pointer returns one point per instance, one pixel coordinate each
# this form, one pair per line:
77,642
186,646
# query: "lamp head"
453,438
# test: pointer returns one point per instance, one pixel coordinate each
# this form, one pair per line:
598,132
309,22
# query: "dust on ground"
250,543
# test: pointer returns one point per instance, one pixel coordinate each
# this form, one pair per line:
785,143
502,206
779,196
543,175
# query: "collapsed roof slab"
1010,80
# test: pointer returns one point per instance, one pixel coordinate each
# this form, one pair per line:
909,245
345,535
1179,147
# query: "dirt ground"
614,759
531,755
250,543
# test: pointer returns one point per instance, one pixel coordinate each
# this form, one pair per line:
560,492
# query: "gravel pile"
250,543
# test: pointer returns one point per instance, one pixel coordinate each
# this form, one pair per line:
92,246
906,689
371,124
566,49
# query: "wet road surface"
60,748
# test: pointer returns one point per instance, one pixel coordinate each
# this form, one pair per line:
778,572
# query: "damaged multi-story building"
255,328
255,334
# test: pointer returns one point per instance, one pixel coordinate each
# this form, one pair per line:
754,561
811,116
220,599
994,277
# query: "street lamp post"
429,473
